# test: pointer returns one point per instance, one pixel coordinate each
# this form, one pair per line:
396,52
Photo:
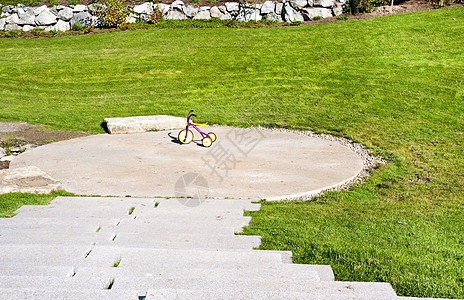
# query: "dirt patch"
17,134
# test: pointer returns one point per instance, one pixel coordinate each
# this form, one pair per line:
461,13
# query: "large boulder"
39,9
273,17
279,8
12,19
248,14
97,22
298,4
2,152
10,27
144,124
310,13
226,16
62,26
2,24
27,28
144,8
164,8
268,7
27,180
324,3
45,18
26,18
202,15
65,14
175,15
82,18
215,12
79,8
178,4
291,15
232,6
190,11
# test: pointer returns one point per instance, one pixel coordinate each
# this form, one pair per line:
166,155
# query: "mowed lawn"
395,84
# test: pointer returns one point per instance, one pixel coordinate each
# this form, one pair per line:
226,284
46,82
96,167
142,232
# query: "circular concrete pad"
242,163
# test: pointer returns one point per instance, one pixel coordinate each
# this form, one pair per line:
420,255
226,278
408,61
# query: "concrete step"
183,241
287,272
176,228
58,222
36,254
54,282
326,290
133,257
214,220
18,269
55,238
59,294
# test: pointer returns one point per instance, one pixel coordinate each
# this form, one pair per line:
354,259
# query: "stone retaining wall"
62,18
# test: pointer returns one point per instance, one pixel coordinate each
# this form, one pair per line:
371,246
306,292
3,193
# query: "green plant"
12,34
211,1
342,17
89,29
317,18
77,26
296,23
131,210
194,1
34,3
114,13
52,33
117,262
156,204
53,2
73,2
156,16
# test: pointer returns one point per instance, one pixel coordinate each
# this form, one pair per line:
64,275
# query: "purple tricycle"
185,136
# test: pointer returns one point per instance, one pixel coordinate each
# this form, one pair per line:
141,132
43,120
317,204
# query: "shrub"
77,26
342,17
361,6
114,13
317,18
156,16
73,2
12,33
34,3
53,2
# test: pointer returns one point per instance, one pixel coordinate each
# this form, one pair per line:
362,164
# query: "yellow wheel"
212,136
207,142
185,136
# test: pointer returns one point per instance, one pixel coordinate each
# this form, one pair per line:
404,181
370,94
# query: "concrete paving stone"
17,269
55,239
175,228
92,222
141,255
276,165
174,203
332,290
59,294
53,255
53,282
184,241
283,272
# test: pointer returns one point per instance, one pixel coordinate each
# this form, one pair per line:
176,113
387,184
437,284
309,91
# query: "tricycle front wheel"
185,136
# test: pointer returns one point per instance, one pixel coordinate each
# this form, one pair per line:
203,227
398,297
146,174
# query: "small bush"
52,33
342,17
114,14
12,33
194,1
73,2
77,26
88,29
156,16
361,6
34,3
212,1
53,2
296,23
317,18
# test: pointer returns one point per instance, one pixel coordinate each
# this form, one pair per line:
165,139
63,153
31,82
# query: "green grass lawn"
395,84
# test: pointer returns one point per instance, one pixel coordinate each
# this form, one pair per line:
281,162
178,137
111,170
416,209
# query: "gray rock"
62,26
310,13
178,4
2,24
291,15
164,8
144,18
10,27
324,3
2,152
144,8
339,8
248,14
226,16
96,22
268,7
7,9
39,9
298,4
273,17
215,12
12,19
49,28
202,15
279,8
54,11
144,124
26,19
65,14
79,8
60,7
190,11
130,19
175,15
4,15
45,18
27,28
223,9
232,6
27,180
203,8
83,18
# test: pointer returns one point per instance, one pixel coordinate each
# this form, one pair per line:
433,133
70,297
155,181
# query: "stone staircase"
140,248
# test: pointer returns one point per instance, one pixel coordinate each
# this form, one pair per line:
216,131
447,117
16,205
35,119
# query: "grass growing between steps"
10,202
394,84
